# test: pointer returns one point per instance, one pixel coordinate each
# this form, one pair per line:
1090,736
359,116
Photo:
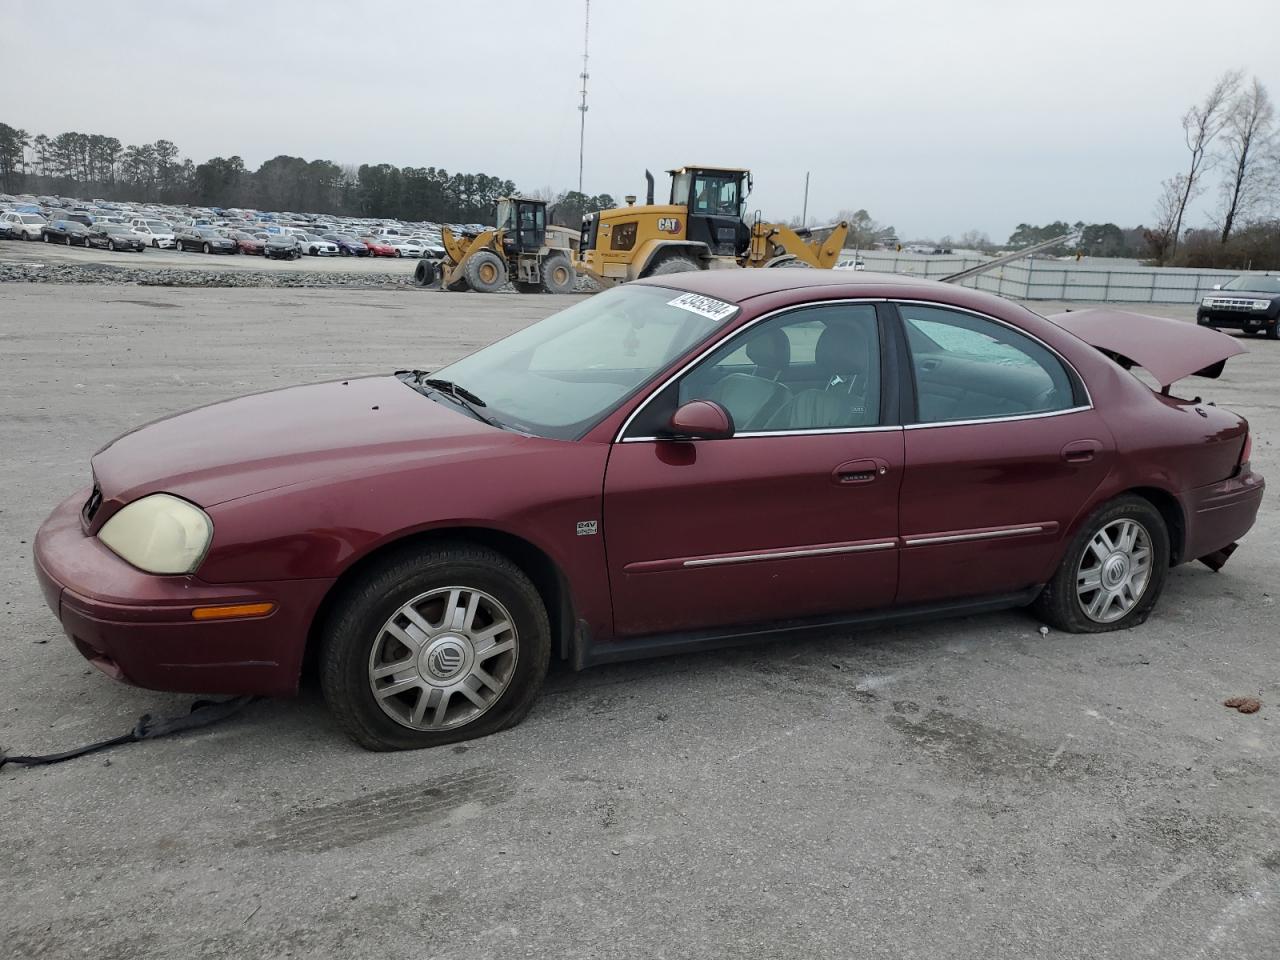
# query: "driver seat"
846,359
753,398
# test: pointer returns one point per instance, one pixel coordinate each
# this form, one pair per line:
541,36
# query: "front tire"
1273,330
558,275
1112,572
485,272
433,646
673,264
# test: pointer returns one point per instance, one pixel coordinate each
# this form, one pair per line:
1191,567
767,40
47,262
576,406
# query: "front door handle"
858,471
1081,451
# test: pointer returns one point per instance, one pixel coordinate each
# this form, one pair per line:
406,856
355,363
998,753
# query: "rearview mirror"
701,420
1217,286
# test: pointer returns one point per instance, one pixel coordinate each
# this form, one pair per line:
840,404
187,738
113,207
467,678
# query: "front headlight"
159,534
1207,302
1261,304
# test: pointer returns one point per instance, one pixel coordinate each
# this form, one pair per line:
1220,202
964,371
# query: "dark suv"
1250,303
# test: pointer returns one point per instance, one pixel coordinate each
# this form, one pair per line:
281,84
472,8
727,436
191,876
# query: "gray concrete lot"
959,789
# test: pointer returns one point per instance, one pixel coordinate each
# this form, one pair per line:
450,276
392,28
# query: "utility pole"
804,216
582,107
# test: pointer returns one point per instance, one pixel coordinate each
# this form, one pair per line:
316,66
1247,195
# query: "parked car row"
216,230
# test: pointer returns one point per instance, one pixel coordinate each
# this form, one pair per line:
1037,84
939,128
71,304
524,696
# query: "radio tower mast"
582,107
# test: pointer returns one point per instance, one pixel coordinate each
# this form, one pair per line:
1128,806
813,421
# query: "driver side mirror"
701,420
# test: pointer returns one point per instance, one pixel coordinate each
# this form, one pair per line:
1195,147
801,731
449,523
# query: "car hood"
1167,349
264,441
1241,294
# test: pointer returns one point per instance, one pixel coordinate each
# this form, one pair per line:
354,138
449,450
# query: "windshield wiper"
459,395
451,388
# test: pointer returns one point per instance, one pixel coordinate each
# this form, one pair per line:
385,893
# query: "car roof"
737,284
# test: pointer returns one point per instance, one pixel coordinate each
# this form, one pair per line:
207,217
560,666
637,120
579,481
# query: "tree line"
87,165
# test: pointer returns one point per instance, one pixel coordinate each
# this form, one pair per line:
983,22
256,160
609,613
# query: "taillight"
1247,450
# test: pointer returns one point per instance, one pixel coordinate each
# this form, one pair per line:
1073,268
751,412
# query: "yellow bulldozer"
702,227
522,248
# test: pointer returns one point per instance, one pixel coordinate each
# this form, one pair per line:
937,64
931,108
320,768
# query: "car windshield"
558,377
1254,283
32,219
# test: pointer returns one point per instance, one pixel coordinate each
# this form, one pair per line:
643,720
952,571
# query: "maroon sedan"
696,460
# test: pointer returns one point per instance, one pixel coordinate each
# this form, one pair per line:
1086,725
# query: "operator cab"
525,223
716,198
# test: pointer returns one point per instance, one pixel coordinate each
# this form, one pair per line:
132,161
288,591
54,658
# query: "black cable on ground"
203,713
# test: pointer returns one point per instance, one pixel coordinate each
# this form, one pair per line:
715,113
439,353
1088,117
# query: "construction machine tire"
558,275
426,273
675,263
485,272
524,286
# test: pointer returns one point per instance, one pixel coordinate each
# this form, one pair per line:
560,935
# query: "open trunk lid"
1167,349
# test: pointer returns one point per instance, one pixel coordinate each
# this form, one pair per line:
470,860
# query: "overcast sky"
936,116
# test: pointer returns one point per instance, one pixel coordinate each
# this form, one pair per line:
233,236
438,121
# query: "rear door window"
968,367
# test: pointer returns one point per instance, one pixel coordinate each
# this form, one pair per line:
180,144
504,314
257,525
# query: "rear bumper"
1220,514
138,628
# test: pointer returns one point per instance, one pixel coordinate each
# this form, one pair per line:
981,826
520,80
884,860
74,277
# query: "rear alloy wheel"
558,275
435,646
1113,570
485,272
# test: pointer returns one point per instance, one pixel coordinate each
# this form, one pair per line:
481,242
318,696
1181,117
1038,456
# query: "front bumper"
1221,513
1235,319
138,628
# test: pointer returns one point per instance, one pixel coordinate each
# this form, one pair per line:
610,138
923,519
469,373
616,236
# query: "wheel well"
1174,520
536,565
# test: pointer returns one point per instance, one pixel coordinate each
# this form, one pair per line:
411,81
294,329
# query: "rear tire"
1068,599
675,263
485,272
359,639
558,275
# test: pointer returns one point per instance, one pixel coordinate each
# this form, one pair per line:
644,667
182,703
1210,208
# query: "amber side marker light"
232,611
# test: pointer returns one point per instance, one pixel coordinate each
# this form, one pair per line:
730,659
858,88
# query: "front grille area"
1225,303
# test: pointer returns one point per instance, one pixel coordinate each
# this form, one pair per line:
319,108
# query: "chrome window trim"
1088,404
1001,419
747,435
790,554
619,436
979,535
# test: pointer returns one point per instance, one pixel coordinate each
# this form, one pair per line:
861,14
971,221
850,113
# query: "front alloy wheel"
443,659
433,645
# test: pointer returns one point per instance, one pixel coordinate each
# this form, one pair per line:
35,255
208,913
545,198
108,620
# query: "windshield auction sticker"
709,307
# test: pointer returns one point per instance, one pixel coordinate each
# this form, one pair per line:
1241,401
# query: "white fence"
1040,279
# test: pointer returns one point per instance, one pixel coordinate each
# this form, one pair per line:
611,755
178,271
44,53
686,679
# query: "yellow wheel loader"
521,249
701,228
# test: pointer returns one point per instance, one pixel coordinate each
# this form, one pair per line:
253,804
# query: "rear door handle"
1081,451
858,471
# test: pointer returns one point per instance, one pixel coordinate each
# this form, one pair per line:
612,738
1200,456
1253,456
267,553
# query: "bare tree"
1173,199
1246,137
1201,125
